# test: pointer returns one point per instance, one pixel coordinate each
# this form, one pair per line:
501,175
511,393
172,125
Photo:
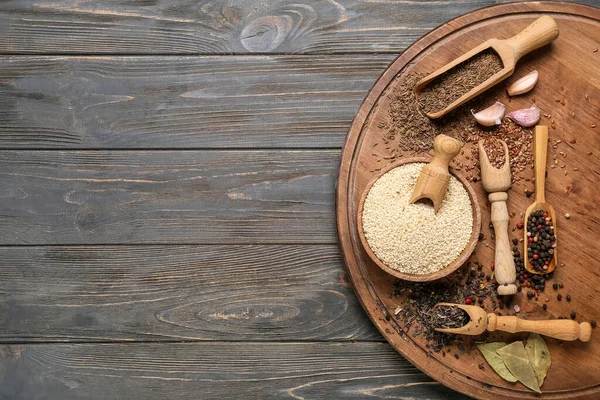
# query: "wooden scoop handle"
540,155
563,329
541,32
445,149
434,177
505,270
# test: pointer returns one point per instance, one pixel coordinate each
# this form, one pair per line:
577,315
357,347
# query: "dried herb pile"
469,285
458,81
450,317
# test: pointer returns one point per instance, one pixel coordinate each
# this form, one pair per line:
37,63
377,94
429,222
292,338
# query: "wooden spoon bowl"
454,265
550,210
540,154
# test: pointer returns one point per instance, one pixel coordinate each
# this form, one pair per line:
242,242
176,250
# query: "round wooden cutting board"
569,90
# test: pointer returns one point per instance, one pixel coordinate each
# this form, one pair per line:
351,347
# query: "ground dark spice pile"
453,84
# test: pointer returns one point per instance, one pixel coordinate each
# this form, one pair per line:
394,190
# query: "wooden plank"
91,293
212,371
201,197
222,27
182,102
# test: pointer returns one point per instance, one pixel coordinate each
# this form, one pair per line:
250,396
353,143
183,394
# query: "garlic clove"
490,116
523,85
526,117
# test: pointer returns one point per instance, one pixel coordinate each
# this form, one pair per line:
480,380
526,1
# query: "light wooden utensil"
541,32
540,155
563,329
433,180
496,181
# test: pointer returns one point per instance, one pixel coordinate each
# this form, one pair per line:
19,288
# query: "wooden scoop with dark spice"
480,321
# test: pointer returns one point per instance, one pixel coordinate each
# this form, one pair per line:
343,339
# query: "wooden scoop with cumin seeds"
540,154
541,32
480,321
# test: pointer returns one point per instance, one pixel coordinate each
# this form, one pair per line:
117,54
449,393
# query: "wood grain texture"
260,293
564,90
182,102
222,27
200,197
212,371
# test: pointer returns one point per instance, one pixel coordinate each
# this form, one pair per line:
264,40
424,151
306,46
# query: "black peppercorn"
555,286
559,297
530,295
573,315
515,241
545,307
568,297
593,323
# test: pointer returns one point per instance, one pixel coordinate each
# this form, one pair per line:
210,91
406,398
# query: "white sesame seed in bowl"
410,241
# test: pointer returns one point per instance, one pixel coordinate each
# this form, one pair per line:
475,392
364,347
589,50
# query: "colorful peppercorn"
541,240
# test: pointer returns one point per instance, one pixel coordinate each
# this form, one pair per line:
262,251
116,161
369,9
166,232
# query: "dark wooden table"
167,176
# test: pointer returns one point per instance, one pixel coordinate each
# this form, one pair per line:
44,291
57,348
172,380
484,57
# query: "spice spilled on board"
450,317
408,129
458,81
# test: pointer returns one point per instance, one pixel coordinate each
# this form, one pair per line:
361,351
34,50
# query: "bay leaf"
495,361
539,356
516,360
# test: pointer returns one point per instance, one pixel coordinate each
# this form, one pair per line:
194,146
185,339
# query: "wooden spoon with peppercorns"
540,219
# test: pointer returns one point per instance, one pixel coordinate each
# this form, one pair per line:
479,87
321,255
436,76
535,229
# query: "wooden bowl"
454,265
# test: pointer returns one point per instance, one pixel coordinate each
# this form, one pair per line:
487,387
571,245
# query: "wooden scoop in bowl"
540,154
434,178
480,321
541,32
